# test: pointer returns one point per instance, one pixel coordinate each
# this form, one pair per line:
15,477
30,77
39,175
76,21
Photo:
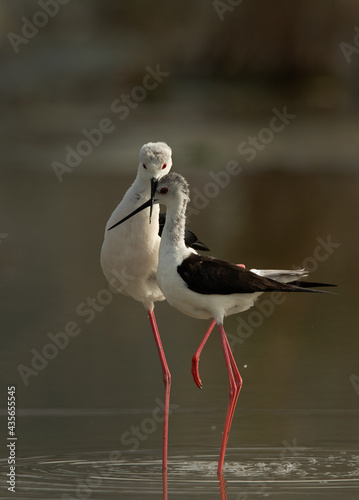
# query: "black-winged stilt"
205,287
129,256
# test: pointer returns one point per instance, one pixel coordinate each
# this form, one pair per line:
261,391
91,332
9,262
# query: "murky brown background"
94,399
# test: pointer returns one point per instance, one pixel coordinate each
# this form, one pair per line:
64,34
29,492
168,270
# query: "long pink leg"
237,377
167,382
235,384
197,354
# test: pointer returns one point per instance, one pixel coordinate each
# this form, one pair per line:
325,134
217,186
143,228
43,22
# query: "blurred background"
227,69
219,74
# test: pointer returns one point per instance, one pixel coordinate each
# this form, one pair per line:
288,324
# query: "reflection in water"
222,486
138,476
165,484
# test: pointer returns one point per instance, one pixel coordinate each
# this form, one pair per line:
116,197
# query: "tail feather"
291,278
281,275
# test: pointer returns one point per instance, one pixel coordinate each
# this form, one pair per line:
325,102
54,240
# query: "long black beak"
148,203
153,192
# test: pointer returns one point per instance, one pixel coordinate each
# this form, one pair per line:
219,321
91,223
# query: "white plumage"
129,255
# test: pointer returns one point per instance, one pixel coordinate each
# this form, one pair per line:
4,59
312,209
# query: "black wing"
190,238
207,275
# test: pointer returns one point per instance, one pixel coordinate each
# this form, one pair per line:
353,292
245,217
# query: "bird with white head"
129,255
206,287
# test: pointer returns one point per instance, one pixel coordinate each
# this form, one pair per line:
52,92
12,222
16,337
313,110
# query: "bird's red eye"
164,166
144,166
164,190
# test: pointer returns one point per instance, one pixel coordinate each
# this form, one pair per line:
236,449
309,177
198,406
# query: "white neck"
172,240
142,184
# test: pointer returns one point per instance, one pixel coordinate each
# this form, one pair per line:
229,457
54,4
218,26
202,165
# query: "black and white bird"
205,287
129,255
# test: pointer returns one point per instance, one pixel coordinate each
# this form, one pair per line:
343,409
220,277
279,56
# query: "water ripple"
100,475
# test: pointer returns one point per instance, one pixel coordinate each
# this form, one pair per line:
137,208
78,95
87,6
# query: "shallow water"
295,430
312,473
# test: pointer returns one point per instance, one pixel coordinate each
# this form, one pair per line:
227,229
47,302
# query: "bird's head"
172,189
155,162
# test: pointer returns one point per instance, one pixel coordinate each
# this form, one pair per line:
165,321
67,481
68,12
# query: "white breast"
129,255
